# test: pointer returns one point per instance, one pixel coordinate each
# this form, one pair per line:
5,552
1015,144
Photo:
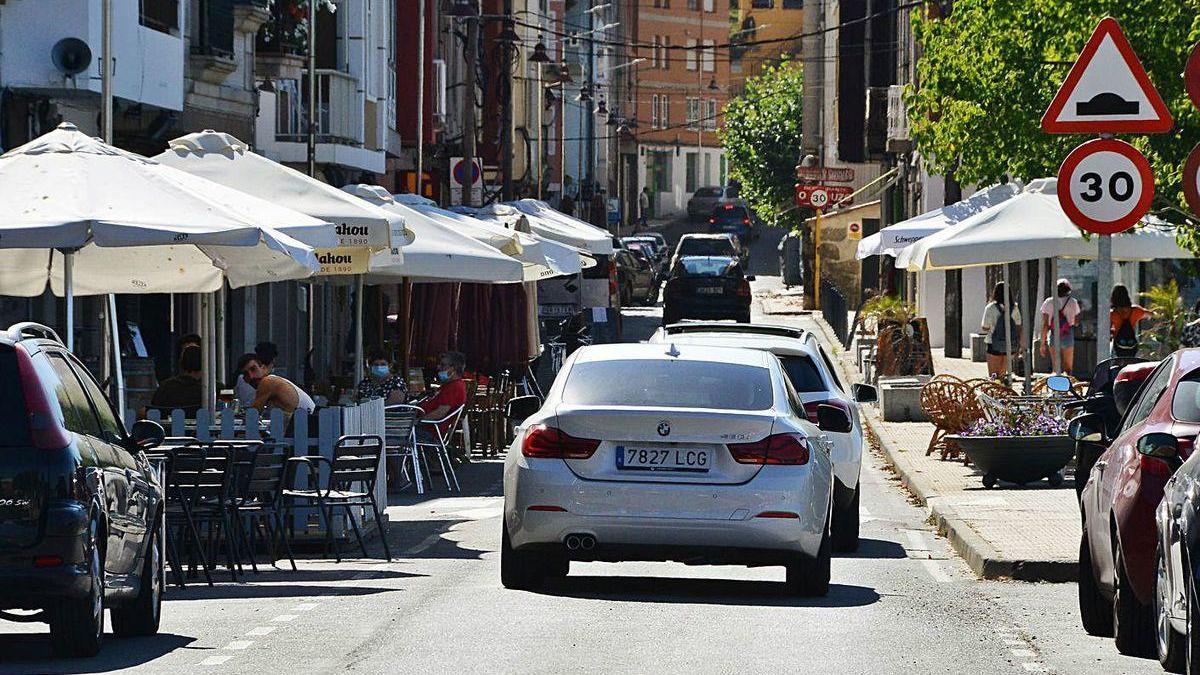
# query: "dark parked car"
1116,551
1177,593
81,510
733,219
637,278
706,287
711,245
649,252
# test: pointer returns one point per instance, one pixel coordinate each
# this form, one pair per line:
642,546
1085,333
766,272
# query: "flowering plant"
1019,423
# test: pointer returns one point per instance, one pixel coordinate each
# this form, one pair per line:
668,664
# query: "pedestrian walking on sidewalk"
1125,317
643,207
1066,309
996,335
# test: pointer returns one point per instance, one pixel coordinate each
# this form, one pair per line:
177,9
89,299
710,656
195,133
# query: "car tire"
1170,645
809,577
77,624
744,318
846,525
1094,609
1133,622
528,570
143,614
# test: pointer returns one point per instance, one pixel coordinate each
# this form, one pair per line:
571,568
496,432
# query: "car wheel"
845,525
809,577
142,616
1172,648
1133,622
527,570
1094,609
77,624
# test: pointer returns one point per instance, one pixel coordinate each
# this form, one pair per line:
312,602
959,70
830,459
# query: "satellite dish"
71,56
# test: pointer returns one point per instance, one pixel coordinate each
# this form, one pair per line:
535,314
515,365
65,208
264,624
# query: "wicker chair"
948,403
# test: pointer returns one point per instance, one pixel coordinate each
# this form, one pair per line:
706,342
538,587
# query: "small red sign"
1191,179
818,196
1191,76
1105,186
816,174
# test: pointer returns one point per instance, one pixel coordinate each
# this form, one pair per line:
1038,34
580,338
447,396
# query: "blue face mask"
443,375
380,371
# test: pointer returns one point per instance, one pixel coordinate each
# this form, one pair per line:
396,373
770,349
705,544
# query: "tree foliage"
761,138
990,69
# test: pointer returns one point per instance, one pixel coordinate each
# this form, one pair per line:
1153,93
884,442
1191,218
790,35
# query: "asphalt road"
903,604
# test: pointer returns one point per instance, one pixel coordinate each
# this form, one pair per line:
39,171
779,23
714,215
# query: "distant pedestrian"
1066,309
997,327
599,215
644,207
1124,317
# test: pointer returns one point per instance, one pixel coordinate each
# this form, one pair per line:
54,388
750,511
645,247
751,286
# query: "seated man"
449,397
185,390
273,391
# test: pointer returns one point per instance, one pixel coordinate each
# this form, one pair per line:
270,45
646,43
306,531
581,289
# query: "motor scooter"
1108,394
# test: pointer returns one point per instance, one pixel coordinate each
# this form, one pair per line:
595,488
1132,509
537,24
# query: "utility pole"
311,117
506,107
420,96
589,118
468,137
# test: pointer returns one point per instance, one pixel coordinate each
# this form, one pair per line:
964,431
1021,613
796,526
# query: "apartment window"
692,54
654,111
213,24
708,5
693,5
693,112
692,179
160,15
710,114
654,52
763,4
709,55
664,115
666,60
793,4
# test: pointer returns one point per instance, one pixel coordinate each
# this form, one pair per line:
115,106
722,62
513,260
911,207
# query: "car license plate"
632,458
710,290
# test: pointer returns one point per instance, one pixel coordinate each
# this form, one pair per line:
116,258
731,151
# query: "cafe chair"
439,444
400,433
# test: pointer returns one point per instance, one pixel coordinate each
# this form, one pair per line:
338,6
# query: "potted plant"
902,338
1018,445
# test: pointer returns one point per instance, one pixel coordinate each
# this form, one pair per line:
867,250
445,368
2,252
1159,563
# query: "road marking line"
1024,653
305,607
260,631
285,617
1035,667
918,543
425,544
216,660
239,644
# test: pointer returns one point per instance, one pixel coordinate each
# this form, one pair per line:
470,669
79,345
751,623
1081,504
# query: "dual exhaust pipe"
580,542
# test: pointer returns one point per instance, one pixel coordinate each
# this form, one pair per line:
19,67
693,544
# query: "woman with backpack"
999,325
1067,310
1124,318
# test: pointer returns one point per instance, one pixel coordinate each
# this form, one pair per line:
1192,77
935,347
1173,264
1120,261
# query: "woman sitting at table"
380,381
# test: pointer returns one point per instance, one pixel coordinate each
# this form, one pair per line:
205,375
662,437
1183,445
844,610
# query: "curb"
984,559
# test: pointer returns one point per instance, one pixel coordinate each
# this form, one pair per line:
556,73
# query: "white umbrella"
1030,226
541,258
890,240
552,224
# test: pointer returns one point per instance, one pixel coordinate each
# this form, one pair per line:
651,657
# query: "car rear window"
706,267
1185,407
705,192
733,192
12,403
702,247
669,383
736,214
803,374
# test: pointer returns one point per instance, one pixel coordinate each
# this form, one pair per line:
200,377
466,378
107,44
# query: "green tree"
761,137
989,70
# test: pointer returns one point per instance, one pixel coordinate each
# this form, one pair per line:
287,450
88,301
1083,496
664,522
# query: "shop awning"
552,224
890,240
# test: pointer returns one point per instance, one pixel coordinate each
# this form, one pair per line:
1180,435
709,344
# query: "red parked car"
1116,552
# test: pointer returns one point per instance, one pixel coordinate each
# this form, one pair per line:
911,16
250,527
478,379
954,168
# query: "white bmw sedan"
697,454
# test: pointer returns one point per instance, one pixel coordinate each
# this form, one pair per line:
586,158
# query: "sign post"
1105,186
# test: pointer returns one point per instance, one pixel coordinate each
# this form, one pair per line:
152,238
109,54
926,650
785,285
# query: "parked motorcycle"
1113,384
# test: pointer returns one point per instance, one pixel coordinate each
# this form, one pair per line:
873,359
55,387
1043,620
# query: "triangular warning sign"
1107,91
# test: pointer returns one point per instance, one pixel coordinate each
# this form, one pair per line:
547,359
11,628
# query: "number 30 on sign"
1105,186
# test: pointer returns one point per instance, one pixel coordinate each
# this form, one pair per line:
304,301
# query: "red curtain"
486,322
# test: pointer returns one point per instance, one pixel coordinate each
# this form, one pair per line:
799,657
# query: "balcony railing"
339,117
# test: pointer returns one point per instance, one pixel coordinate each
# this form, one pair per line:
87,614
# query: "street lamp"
713,86
585,94
507,35
539,53
602,109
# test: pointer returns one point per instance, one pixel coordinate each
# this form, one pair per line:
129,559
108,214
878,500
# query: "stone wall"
839,245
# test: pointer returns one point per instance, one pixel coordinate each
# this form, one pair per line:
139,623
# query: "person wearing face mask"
380,381
449,397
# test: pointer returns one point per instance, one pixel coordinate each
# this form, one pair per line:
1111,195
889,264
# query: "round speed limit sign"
819,199
1105,186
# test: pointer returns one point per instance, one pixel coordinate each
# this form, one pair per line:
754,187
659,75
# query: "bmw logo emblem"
664,428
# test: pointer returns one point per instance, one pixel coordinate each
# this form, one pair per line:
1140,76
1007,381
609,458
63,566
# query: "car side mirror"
864,393
1058,383
1162,446
522,408
146,434
1087,429
833,419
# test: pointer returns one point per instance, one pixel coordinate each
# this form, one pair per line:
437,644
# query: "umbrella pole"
1027,344
1055,339
358,329
1007,318
403,325
118,373
69,296
206,364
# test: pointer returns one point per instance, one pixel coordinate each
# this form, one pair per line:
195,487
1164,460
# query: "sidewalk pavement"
1030,533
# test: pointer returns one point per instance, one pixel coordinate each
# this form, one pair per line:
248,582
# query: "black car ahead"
706,287
81,510
733,219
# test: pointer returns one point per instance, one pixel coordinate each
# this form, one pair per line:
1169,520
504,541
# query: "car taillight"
1153,466
729,207
546,442
745,221
712,221
810,408
1186,446
791,449
45,432
744,289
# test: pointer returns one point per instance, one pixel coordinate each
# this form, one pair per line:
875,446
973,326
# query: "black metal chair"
201,477
257,500
349,484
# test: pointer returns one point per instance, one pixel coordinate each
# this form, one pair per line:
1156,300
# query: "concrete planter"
1018,459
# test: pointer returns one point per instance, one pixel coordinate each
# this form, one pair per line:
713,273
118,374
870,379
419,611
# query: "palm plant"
1169,317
